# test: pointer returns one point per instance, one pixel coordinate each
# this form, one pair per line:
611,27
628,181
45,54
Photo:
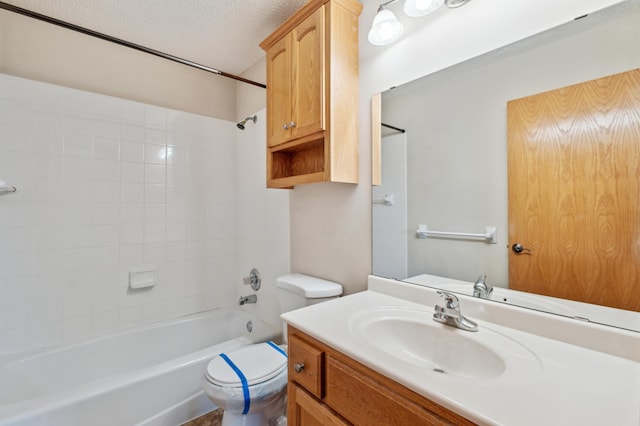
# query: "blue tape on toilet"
243,380
277,348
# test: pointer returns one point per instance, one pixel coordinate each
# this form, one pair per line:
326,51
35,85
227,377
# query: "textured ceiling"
222,34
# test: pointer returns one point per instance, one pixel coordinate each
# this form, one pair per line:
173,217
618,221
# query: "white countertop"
570,384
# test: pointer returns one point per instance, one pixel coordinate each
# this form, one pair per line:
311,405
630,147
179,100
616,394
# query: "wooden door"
574,192
279,92
308,55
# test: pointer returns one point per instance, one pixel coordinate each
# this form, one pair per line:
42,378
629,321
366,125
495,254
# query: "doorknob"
518,248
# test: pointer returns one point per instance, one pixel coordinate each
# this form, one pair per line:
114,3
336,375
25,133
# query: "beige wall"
252,98
331,229
40,51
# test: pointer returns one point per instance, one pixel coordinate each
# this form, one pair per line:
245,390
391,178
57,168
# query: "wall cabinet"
312,95
328,388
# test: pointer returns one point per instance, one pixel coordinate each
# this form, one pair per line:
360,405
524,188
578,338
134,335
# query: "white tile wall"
263,217
107,184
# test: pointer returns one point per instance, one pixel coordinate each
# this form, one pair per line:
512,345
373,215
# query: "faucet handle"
450,299
253,279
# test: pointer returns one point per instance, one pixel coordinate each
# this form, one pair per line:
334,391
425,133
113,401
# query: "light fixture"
386,28
416,8
452,4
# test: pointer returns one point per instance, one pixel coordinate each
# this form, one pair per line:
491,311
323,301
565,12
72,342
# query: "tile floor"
213,418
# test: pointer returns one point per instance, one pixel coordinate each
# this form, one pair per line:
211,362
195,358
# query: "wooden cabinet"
307,411
329,388
312,95
295,82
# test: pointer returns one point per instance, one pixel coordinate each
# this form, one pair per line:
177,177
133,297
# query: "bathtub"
147,376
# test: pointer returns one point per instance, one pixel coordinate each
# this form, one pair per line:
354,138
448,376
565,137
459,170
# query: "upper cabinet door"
312,95
308,85
279,92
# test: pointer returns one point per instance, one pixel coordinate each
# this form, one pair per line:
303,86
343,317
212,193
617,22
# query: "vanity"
328,387
378,357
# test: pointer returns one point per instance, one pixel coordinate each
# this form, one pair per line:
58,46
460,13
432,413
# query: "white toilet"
250,383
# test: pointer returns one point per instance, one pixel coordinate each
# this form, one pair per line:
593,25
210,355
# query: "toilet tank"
298,290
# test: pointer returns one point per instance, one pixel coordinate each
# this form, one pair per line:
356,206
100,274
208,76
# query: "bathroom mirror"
444,153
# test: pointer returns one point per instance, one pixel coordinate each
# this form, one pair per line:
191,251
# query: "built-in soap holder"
142,277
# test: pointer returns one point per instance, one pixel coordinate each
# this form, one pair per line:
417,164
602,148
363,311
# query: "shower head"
243,122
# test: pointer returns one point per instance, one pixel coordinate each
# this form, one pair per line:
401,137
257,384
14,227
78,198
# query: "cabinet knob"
298,366
285,126
292,124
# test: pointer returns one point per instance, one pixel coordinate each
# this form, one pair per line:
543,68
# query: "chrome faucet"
481,289
451,315
252,298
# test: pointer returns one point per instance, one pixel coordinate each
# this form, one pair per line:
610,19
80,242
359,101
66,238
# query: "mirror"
448,170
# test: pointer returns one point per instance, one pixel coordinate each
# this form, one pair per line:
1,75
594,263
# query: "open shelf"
294,164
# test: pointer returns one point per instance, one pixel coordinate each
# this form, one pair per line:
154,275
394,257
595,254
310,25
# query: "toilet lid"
258,363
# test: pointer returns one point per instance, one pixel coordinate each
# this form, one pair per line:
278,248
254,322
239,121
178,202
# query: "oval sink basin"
413,337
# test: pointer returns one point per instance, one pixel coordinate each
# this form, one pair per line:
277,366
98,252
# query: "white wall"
106,185
263,222
226,218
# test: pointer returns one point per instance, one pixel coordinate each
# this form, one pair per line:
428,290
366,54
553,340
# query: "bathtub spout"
248,299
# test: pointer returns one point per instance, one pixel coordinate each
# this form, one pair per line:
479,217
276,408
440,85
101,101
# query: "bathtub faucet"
248,299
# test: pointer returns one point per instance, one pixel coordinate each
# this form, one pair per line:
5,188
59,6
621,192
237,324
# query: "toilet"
249,383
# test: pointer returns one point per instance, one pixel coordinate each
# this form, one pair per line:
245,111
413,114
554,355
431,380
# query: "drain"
439,370
249,326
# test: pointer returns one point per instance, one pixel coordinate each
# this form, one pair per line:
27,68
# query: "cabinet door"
304,410
279,92
308,56
367,398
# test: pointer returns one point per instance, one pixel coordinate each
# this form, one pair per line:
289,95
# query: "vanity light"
456,3
386,28
416,8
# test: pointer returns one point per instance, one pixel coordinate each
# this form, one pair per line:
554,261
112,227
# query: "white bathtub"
146,376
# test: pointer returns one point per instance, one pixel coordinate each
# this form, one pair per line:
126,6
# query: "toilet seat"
258,363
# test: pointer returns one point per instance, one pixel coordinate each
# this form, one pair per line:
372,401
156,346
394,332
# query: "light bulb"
385,28
415,8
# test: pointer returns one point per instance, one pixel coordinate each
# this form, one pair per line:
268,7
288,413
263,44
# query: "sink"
411,336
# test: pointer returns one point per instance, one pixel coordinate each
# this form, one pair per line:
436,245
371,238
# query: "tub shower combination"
145,376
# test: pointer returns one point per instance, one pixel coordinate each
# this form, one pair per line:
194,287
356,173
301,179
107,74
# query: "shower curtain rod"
69,26
389,126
